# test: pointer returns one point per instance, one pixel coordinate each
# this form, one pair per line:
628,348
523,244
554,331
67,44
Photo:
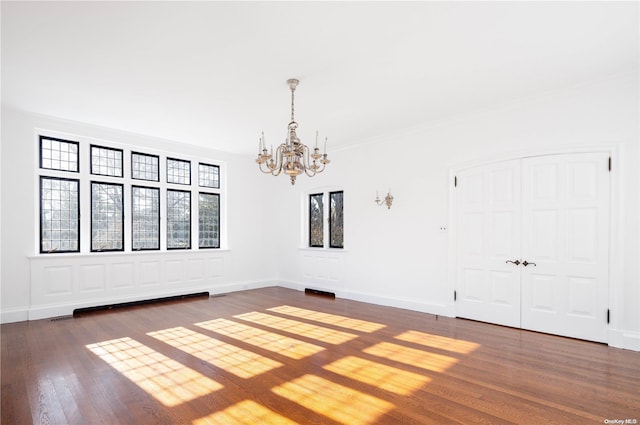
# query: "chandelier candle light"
292,156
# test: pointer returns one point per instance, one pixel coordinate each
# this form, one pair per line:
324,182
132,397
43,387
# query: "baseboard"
627,340
66,309
13,315
405,303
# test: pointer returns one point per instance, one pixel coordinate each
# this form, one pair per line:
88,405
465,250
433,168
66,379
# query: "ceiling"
214,73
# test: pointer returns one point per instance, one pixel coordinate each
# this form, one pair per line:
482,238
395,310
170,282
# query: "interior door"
488,200
565,212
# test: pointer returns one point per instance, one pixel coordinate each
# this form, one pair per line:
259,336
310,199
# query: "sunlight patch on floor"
378,375
318,333
329,319
441,342
235,360
243,413
276,343
165,379
411,356
342,404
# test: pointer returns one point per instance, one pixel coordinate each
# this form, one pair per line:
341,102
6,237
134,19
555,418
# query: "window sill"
318,249
96,254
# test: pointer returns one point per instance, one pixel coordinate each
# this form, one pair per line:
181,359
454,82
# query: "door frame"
616,222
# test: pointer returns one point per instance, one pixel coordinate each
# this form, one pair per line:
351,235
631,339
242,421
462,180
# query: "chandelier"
292,156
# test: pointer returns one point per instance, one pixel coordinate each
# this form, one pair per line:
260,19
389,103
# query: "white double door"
533,244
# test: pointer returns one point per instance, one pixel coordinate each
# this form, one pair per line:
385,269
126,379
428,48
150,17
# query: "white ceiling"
214,73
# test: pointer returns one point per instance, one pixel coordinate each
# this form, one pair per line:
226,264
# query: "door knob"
525,263
517,262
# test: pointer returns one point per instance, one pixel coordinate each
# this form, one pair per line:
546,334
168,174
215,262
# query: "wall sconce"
388,200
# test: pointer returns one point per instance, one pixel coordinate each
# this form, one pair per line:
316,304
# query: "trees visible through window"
145,218
59,215
107,226
209,220
178,219
336,219
316,220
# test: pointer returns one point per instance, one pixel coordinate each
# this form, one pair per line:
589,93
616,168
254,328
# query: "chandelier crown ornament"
292,155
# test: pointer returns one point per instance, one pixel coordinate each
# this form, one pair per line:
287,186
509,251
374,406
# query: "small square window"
58,154
106,161
209,176
145,167
178,171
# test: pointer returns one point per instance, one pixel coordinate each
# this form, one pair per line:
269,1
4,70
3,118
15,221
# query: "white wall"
246,264
396,257
400,256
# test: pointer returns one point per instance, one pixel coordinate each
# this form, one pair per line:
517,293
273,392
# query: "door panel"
489,219
565,211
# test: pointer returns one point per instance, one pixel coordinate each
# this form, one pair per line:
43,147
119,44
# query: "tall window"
145,218
178,219
59,215
333,235
336,220
209,220
316,220
107,225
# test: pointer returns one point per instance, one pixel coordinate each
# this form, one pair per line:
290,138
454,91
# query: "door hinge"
455,295
455,181
608,316
609,163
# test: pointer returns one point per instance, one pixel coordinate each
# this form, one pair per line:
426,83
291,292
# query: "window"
336,219
145,167
83,185
178,219
318,209
208,175
106,161
316,220
59,215
178,171
145,218
58,154
209,220
107,226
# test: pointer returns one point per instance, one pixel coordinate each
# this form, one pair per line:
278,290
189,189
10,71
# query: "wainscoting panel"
61,283
323,269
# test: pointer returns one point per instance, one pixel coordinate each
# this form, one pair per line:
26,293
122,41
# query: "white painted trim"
627,340
13,315
405,303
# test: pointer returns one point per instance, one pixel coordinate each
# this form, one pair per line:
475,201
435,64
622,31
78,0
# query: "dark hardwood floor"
277,356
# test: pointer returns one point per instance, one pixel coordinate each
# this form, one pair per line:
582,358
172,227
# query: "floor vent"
57,319
80,311
318,292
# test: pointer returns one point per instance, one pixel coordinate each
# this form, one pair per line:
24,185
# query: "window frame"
157,157
330,218
217,195
133,249
122,218
217,167
189,245
188,161
108,148
78,229
56,139
309,220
